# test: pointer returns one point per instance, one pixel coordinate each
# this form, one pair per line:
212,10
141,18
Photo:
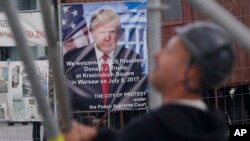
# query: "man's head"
171,62
105,29
200,55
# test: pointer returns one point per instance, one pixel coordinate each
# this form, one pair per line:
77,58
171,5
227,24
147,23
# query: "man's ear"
194,75
191,75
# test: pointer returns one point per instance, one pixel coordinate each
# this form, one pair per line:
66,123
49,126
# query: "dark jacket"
172,123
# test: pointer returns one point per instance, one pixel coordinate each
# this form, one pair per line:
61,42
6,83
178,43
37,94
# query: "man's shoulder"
72,54
143,128
158,115
144,121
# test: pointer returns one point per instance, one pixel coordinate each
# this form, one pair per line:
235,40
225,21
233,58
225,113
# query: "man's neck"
99,53
174,95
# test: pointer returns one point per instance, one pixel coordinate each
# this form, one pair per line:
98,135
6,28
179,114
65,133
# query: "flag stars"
73,26
65,9
64,22
74,13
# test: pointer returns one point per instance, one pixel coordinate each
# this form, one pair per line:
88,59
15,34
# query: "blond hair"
104,16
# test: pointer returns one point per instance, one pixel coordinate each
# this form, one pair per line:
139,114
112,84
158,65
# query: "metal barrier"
34,131
115,120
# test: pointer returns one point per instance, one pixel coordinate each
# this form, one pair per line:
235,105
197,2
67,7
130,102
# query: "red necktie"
105,77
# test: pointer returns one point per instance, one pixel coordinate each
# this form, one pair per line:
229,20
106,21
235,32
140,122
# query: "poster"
3,77
105,55
22,103
31,109
19,112
4,110
32,25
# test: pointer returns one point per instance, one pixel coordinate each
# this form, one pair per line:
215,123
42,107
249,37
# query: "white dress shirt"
100,60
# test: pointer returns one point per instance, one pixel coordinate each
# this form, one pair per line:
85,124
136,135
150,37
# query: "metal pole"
38,91
55,58
221,16
216,98
154,43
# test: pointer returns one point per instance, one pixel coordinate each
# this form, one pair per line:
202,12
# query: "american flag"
74,27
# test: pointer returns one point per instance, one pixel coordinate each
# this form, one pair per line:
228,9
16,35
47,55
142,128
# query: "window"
12,54
1,7
26,4
174,11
